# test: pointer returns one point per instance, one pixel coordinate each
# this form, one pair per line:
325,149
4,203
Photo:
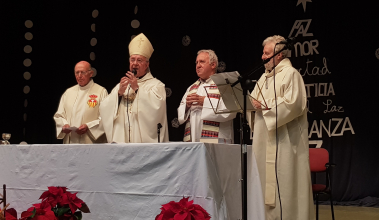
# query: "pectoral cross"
140,42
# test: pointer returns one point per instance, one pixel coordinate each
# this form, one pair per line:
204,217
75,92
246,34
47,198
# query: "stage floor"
348,212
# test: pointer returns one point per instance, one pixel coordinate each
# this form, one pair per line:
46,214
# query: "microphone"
134,71
288,43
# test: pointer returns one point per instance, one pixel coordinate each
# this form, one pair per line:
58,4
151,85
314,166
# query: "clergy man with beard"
293,170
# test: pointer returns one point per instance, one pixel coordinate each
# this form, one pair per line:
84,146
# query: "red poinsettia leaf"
173,206
31,209
198,207
74,199
47,215
26,214
37,205
63,189
182,216
199,215
84,208
54,190
166,206
64,199
11,212
45,195
168,215
159,217
73,207
184,201
190,203
30,213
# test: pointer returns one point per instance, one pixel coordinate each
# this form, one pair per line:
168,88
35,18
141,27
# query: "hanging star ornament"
304,2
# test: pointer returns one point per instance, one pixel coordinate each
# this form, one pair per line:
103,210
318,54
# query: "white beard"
269,66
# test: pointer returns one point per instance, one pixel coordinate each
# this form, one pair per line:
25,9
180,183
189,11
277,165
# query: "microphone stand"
246,85
159,126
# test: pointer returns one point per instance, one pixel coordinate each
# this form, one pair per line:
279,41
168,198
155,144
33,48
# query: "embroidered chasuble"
80,105
135,119
201,121
293,151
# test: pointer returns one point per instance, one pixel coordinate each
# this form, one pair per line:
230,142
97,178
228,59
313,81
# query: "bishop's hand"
132,80
123,85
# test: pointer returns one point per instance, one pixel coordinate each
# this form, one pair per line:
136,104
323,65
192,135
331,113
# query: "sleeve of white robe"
95,128
60,118
250,115
291,100
108,112
182,114
209,114
151,111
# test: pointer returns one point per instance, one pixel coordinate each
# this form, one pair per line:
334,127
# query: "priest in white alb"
77,119
195,109
137,105
293,170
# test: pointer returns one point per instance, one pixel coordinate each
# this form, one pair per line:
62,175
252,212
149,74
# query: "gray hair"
276,39
212,56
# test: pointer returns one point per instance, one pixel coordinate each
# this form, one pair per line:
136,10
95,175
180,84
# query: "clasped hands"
131,79
194,100
81,130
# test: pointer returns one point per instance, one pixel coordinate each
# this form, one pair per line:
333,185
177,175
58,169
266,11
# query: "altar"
132,181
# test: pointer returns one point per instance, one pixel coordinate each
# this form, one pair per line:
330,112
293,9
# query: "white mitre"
141,45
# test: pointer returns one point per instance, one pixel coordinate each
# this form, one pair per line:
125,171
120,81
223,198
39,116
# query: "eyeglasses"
81,72
139,61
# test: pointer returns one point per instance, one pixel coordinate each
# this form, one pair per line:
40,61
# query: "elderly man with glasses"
78,119
137,105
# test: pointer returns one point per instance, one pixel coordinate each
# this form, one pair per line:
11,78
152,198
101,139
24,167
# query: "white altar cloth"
132,181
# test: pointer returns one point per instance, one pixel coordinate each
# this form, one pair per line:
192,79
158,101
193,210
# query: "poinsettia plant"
11,214
57,204
182,210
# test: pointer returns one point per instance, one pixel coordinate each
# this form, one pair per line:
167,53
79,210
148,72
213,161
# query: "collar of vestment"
89,84
284,63
205,81
146,77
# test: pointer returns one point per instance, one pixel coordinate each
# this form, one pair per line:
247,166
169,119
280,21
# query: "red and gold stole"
210,128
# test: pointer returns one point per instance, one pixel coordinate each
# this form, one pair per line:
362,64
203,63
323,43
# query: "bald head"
83,73
84,64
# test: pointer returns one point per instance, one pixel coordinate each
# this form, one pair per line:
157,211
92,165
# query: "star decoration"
304,2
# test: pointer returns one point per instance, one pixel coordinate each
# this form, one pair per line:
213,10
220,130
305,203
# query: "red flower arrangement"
11,214
182,210
57,204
